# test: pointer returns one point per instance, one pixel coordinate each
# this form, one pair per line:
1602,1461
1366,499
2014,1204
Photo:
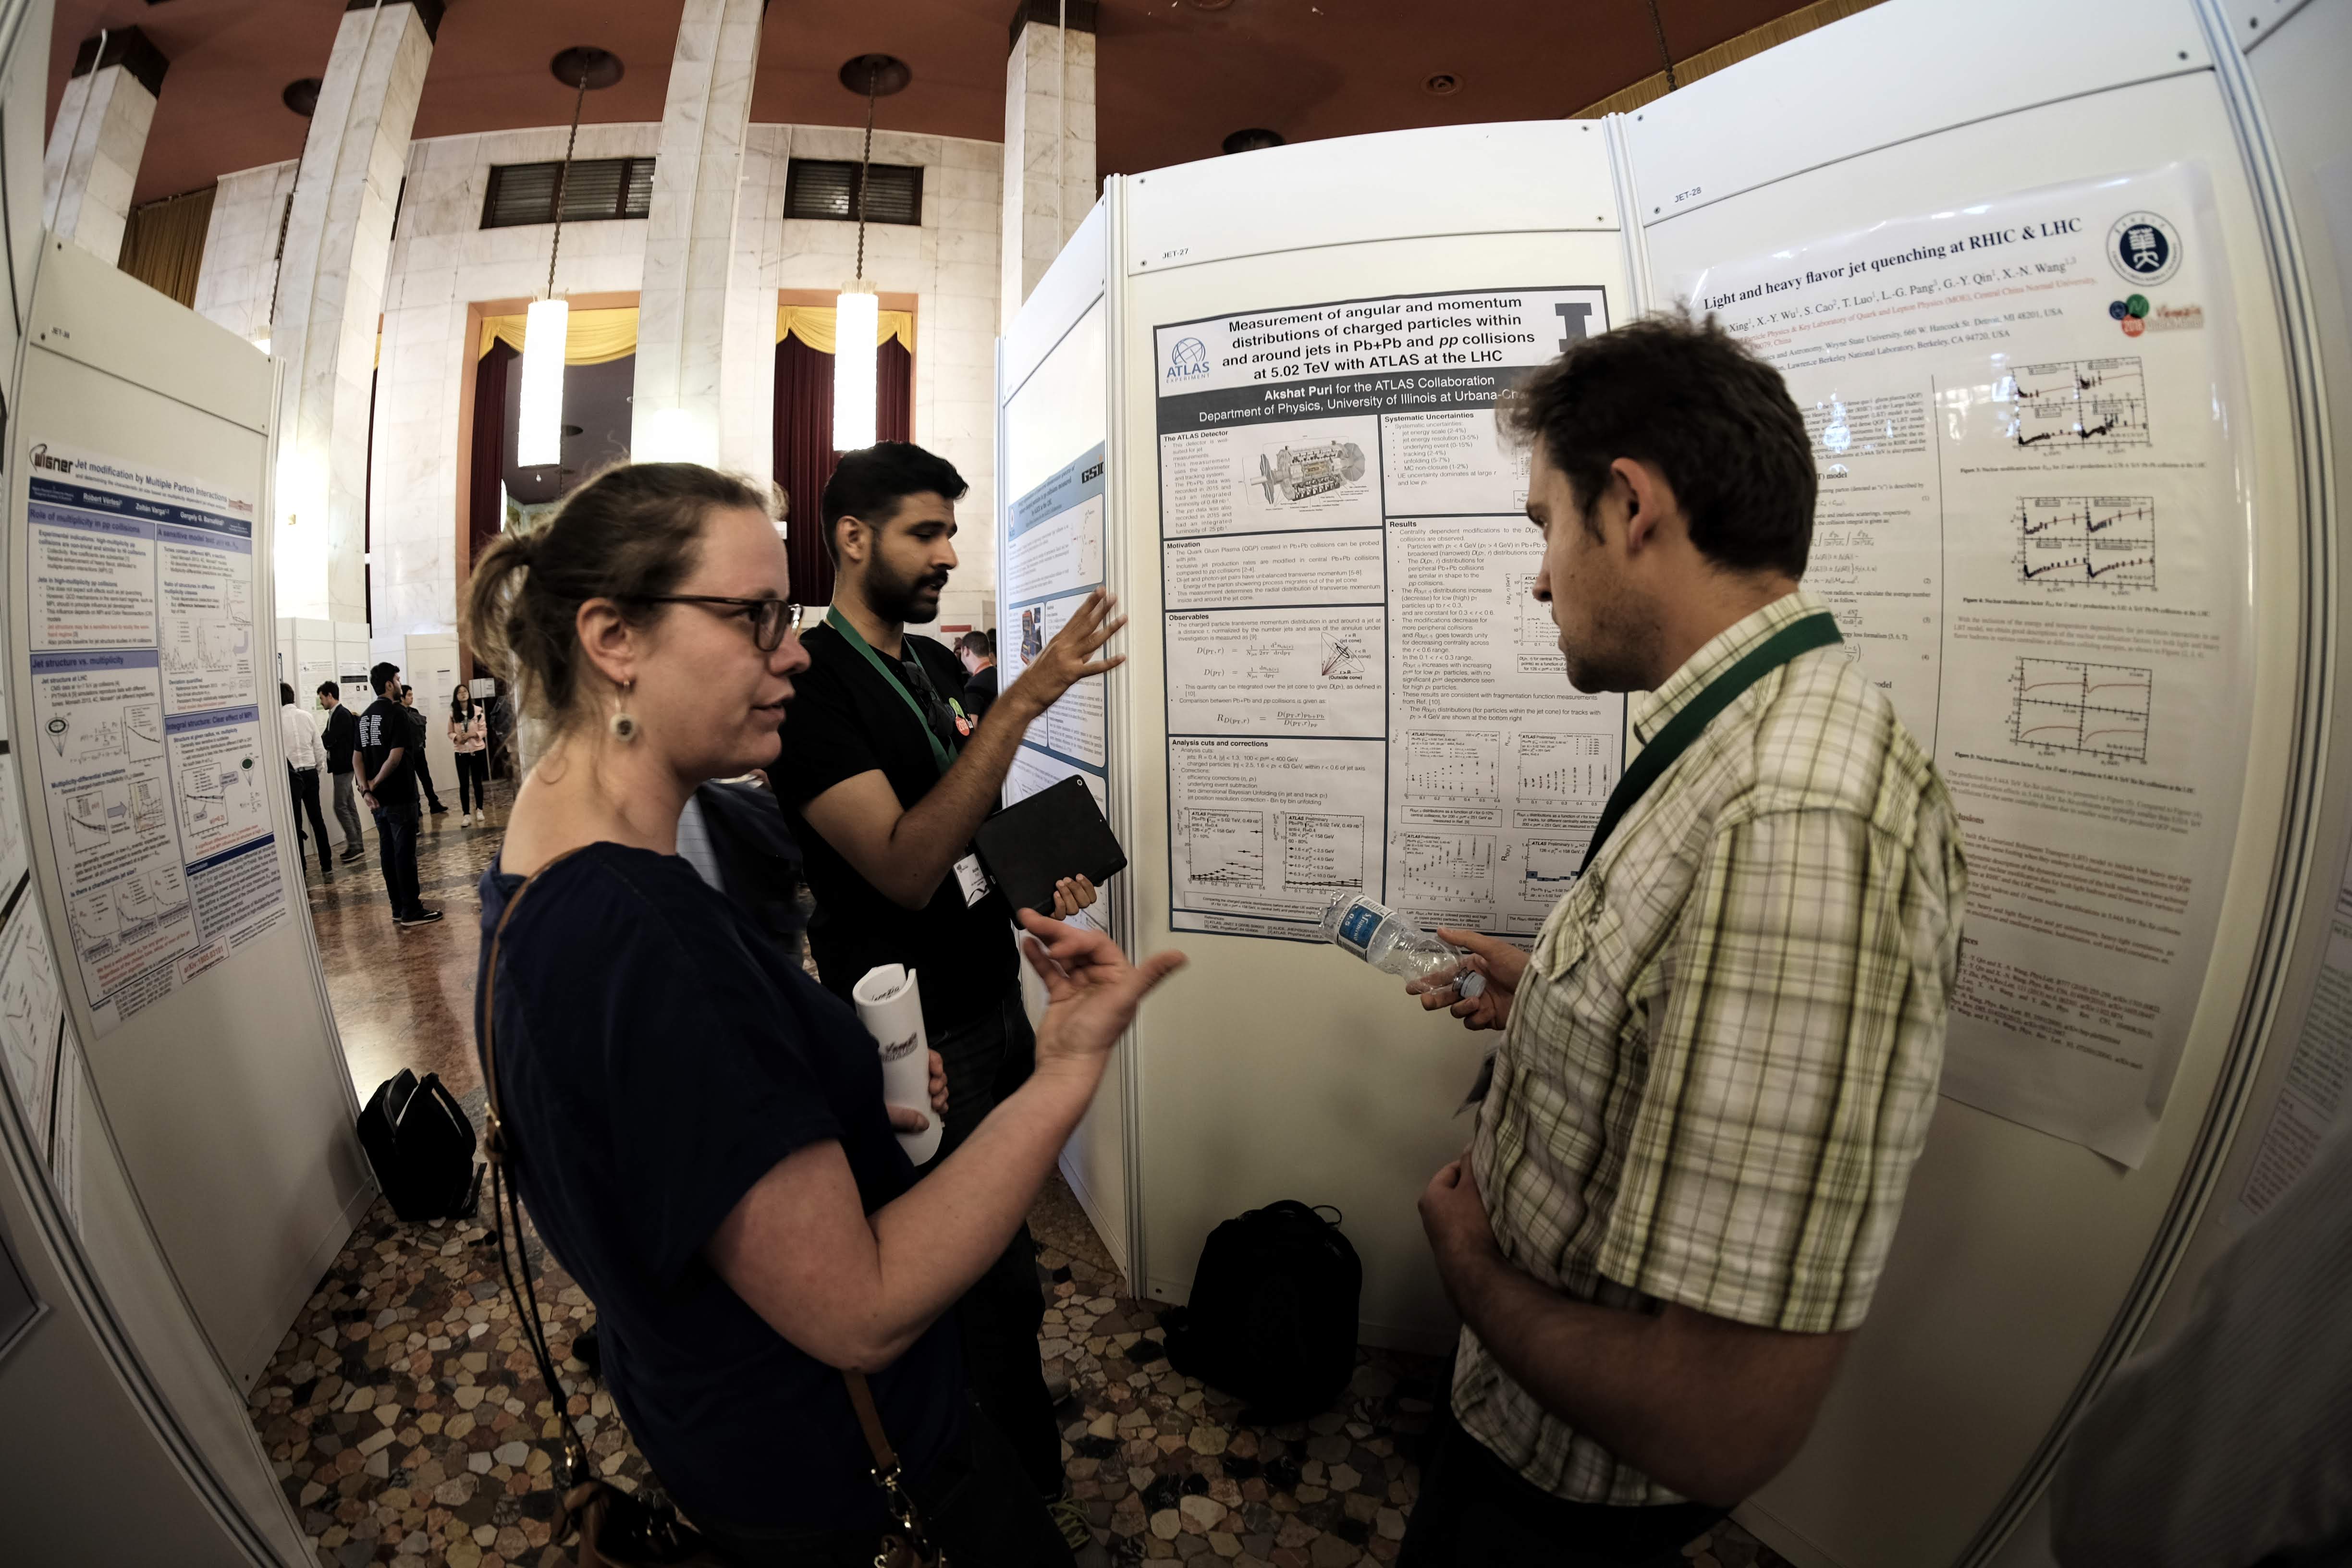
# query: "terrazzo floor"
408,1425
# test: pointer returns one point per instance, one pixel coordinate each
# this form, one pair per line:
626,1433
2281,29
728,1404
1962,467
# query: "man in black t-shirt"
883,780
388,785
977,654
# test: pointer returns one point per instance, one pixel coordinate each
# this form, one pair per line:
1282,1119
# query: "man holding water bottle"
1718,1062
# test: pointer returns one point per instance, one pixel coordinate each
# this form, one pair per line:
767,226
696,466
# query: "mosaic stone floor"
408,1425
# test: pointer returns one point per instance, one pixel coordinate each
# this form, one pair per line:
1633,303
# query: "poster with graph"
147,736
1358,612
2026,415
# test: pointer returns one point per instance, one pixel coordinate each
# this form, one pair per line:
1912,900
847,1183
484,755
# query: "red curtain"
485,516
803,446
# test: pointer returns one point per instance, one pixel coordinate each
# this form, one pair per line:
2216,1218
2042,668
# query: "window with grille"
817,187
596,188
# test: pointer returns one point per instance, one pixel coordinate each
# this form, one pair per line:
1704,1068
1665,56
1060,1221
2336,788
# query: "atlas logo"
2145,248
1188,361
41,460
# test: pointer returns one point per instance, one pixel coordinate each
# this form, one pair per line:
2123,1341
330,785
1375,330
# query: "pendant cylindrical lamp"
856,322
857,314
538,427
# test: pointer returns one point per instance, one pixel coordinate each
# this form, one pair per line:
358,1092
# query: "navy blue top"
656,1058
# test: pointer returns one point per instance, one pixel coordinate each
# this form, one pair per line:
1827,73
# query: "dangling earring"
625,728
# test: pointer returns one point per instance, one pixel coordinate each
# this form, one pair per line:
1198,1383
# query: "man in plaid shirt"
1718,1062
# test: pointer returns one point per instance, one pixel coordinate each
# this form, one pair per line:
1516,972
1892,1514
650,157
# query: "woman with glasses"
697,1127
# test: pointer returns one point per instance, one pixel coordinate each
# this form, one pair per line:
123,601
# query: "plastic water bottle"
1391,943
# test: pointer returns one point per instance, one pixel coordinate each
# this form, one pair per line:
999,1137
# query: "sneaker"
1069,1516
419,918
440,810
353,854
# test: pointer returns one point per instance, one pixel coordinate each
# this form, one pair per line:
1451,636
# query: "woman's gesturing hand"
1092,990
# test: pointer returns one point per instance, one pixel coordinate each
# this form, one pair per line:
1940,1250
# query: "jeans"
974,1507
305,781
473,780
347,812
986,1060
1477,1512
395,842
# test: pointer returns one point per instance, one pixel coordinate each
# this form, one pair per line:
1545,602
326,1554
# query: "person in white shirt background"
304,758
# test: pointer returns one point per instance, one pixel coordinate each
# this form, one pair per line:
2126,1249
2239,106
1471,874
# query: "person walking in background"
388,784
978,652
470,737
342,738
417,730
303,757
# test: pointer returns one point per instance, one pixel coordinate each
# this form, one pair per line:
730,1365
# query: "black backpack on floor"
1273,1314
421,1143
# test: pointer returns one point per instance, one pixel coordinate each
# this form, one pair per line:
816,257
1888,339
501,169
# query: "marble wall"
442,261
1049,172
92,161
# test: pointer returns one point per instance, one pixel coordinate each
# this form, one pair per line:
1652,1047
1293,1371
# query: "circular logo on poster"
1188,359
2145,248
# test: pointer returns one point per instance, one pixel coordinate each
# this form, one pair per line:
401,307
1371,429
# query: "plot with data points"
2097,710
2087,542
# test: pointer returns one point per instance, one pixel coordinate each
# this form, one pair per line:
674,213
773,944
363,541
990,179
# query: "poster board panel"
1271,1069
241,1152
2016,1248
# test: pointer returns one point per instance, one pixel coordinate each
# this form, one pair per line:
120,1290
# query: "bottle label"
1357,926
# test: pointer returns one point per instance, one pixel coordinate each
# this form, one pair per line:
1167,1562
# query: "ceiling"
1175,77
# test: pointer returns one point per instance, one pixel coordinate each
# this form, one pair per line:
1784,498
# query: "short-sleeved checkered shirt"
1720,1065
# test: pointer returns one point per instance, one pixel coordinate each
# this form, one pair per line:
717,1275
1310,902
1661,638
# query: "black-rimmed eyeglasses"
769,619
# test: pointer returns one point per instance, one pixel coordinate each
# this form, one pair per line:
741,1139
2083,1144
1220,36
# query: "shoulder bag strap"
906,1546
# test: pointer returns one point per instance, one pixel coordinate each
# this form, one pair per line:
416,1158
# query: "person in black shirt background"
388,785
884,790
342,738
416,750
977,652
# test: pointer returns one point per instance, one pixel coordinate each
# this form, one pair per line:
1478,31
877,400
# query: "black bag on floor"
1273,1314
421,1143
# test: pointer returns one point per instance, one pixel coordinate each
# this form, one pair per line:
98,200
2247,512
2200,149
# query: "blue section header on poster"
1073,483
66,663
188,723
113,501
247,847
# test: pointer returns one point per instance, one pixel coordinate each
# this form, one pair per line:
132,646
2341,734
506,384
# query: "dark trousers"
473,780
395,842
424,779
305,782
986,1060
976,1507
1475,1511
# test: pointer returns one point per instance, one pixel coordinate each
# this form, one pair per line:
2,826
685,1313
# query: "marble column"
330,289
98,138
693,316
1049,141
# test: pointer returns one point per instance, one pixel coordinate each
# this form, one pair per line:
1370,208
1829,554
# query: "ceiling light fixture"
1253,140
1442,84
858,314
301,96
538,427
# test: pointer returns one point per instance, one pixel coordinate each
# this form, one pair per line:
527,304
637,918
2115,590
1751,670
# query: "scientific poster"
1055,540
147,729
2031,529
43,1060
1364,694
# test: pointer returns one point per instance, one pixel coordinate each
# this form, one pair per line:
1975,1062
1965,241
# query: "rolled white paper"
890,1006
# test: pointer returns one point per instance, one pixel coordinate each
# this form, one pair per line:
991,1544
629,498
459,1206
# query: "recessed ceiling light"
1250,141
302,96
1210,4
1444,84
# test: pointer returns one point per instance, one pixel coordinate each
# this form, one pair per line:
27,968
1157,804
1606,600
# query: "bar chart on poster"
1360,681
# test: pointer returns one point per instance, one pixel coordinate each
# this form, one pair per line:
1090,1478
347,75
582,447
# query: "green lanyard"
1815,631
939,752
